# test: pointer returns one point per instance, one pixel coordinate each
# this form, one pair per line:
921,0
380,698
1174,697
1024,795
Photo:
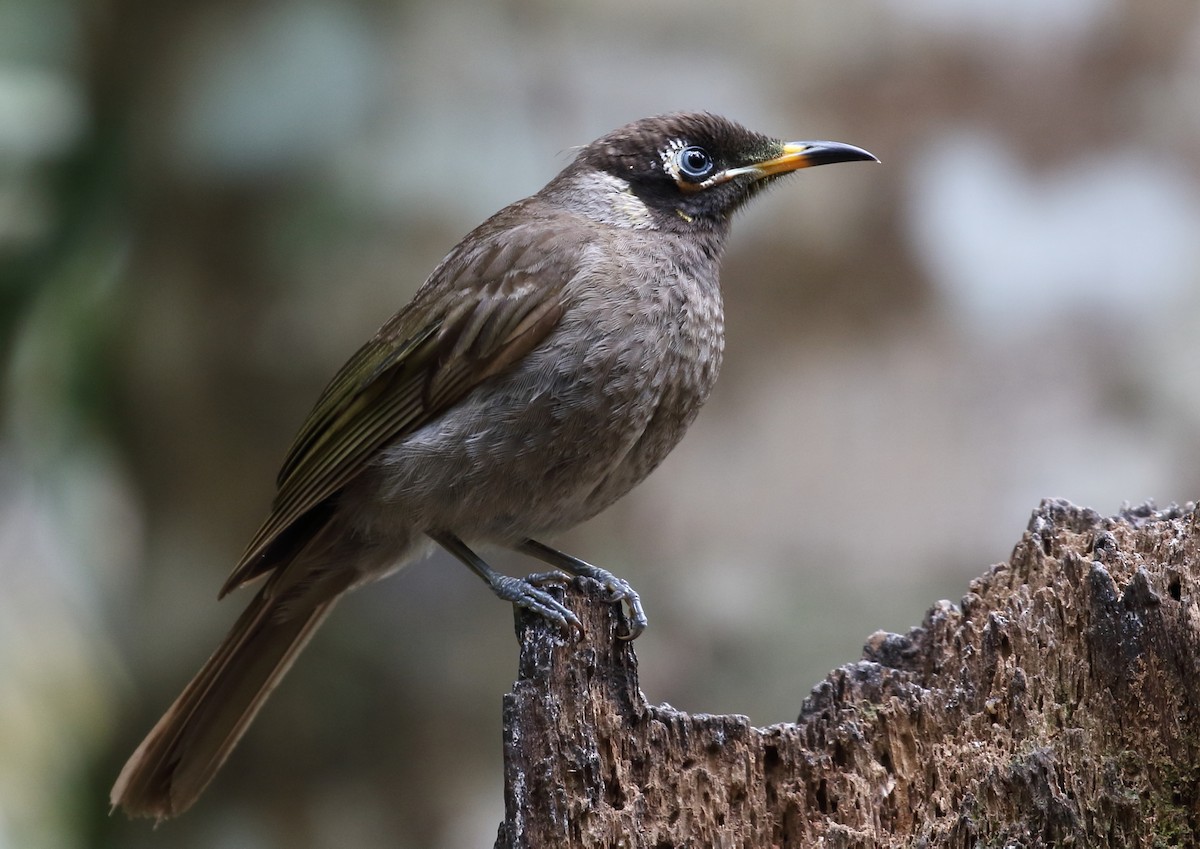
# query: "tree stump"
1058,704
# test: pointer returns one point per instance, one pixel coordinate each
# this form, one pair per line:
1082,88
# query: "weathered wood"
1057,705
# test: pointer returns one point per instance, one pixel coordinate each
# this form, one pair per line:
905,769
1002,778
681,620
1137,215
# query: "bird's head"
683,170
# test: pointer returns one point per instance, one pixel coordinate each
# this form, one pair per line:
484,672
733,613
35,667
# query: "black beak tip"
827,153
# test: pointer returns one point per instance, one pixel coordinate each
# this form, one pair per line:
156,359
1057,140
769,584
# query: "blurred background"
206,206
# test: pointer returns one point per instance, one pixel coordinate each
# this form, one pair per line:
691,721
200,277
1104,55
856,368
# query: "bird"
547,365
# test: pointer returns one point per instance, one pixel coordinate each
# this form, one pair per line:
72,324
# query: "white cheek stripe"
628,208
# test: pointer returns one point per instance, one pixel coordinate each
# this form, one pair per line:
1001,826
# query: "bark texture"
1058,704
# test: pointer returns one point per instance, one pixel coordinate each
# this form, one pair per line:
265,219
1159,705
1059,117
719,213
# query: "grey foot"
619,590
523,592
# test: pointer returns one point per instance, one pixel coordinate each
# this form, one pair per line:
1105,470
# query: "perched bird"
548,364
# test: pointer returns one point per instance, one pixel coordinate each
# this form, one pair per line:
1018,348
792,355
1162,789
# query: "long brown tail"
181,754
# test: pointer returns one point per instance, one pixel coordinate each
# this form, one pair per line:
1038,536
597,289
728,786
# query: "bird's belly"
550,444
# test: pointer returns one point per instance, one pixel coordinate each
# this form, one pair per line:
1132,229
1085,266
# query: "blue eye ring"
695,163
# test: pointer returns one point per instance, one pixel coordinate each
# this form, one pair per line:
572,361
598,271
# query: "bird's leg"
618,589
521,592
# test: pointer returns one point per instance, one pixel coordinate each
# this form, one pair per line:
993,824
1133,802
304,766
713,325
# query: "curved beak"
806,154
796,155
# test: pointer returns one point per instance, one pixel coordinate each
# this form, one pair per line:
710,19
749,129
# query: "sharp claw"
525,593
618,590
637,619
622,591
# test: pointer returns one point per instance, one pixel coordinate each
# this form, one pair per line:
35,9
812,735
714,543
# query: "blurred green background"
206,206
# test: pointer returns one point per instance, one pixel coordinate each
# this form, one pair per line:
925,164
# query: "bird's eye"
695,163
